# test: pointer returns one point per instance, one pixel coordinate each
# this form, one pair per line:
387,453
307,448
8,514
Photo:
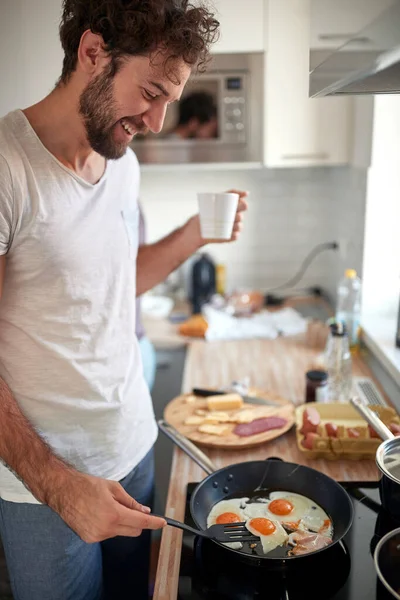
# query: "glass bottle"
338,364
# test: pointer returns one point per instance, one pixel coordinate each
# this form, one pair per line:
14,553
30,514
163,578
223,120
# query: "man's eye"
149,96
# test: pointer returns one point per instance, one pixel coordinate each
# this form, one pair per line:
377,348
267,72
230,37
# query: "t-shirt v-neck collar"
20,114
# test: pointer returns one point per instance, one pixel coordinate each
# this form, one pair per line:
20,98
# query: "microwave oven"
227,91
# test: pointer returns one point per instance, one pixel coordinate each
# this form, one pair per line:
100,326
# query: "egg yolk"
326,525
227,517
280,507
263,526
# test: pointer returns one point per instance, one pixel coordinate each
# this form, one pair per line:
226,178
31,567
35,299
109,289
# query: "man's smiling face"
134,100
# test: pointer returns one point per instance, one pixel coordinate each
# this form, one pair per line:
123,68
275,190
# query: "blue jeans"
149,361
46,560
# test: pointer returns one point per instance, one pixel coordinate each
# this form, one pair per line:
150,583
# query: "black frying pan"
252,478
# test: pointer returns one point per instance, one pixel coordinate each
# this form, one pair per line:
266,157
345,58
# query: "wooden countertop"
278,364
165,335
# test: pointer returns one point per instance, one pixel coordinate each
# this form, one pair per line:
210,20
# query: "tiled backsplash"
290,211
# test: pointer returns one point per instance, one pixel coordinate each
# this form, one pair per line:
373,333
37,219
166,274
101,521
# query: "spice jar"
316,386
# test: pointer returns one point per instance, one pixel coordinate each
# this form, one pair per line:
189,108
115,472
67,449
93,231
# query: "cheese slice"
244,416
214,429
225,402
190,399
216,417
193,420
200,412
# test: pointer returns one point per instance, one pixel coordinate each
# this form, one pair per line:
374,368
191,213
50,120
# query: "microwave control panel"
234,109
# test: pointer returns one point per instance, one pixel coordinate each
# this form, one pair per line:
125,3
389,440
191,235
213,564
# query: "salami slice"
259,426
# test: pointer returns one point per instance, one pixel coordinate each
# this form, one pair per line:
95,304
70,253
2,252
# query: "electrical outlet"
343,248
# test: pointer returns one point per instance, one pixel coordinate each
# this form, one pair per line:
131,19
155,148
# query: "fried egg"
298,511
256,509
271,533
228,511
316,519
288,508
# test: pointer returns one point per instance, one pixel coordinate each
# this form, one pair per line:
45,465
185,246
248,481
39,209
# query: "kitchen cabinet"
334,23
242,26
299,131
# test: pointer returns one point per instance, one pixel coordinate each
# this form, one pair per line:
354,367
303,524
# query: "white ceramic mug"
217,214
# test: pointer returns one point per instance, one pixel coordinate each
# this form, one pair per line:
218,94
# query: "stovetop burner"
344,572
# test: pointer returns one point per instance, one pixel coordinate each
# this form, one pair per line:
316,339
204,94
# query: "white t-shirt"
68,349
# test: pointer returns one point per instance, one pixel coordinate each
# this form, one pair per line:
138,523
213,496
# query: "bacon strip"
305,542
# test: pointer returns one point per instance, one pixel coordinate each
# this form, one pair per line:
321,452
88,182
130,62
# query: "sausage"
311,420
353,433
372,432
308,441
394,428
331,429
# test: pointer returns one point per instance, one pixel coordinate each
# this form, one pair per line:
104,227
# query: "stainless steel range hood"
369,63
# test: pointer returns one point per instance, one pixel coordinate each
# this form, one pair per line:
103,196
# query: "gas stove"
344,572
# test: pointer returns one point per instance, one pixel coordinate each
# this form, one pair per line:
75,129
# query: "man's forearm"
26,453
156,261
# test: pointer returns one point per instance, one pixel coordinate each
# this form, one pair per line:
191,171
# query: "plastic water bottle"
338,364
348,308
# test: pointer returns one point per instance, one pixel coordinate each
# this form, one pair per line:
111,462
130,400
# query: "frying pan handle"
283,592
188,447
372,418
180,525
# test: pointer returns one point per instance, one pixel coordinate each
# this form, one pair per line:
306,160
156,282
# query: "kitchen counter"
276,364
164,334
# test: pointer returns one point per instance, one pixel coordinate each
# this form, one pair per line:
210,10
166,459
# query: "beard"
98,108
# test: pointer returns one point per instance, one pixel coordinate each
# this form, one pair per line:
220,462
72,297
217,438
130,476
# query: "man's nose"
154,117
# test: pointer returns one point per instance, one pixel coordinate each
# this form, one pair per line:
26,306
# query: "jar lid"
317,376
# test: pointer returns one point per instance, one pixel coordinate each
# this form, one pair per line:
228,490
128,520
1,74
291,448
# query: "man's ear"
91,54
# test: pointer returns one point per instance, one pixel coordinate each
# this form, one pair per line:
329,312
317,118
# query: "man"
76,420
197,117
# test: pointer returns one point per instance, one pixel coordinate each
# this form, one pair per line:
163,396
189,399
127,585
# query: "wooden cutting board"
179,409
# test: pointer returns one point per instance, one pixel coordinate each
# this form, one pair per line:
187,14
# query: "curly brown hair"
138,27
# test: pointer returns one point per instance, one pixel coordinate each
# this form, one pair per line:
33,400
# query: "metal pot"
387,562
387,459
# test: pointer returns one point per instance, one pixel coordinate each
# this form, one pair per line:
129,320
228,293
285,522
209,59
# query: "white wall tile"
290,211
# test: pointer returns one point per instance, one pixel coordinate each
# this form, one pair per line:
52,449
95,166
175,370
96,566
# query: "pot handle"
372,418
187,446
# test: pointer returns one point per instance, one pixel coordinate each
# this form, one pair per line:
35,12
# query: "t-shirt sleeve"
6,206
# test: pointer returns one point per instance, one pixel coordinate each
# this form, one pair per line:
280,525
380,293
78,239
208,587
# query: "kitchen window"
381,272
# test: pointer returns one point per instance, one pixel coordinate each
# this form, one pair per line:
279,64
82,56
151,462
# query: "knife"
248,399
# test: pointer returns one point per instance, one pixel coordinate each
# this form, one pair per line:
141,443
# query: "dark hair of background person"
138,28
198,105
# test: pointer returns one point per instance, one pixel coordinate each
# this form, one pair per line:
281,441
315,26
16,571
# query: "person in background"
197,117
